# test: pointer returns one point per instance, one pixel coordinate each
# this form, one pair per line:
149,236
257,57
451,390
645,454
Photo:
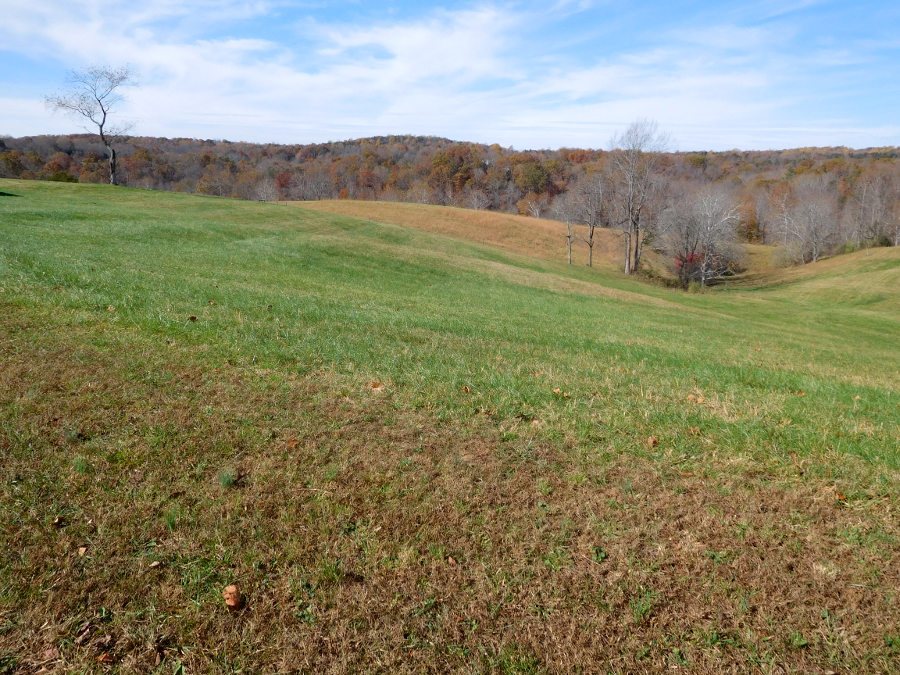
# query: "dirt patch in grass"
135,484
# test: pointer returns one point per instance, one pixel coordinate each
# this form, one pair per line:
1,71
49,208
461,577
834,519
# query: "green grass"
180,335
300,292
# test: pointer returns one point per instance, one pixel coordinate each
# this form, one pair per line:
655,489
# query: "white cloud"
470,74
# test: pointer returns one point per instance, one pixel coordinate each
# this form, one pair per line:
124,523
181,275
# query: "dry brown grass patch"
342,527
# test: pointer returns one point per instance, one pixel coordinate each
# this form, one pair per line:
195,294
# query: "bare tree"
589,193
565,210
870,208
636,186
812,220
699,232
93,94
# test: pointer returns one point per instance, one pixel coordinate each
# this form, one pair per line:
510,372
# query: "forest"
697,207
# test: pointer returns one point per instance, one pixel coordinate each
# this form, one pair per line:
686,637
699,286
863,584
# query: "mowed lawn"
417,454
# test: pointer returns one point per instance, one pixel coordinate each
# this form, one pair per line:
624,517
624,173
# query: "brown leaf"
691,397
234,600
52,653
110,309
192,318
154,564
653,441
293,443
377,386
81,551
451,560
58,522
105,658
694,431
212,302
466,389
557,391
700,399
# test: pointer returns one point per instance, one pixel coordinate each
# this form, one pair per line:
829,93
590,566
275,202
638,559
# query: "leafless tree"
699,232
812,219
589,208
564,209
870,210
266,190
637,188
93,94
476,199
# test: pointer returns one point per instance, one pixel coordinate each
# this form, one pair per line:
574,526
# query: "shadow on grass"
8,194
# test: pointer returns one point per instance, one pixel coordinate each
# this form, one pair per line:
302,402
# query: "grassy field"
417,454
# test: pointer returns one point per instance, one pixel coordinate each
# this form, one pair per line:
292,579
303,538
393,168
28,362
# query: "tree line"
695,206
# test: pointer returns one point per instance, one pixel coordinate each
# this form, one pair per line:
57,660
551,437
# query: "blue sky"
715,75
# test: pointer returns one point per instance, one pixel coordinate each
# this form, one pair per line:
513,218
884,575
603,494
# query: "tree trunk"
627,253
113,180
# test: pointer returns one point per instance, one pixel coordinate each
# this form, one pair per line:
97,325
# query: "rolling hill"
415,452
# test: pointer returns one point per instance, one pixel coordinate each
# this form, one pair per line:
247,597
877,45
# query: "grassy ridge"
296,313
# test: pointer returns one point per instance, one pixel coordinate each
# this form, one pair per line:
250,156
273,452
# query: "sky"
715,75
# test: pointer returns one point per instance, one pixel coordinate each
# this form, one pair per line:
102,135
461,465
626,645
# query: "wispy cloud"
505,73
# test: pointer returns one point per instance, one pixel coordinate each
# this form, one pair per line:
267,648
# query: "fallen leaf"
691,397
105,658
234,601
377,386
856,398
466,389
212,302
293,443
757,349
192,318
81,551
451,560
694,431
565,394
535,423
110,309
801,393
154,564
51,653
700,399
57,522
653,441
557,391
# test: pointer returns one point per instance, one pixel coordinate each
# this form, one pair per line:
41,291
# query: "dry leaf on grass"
81,551
557,391
110,309
293,443
105,658
192,318
466,389
234,600
653,441
451,560
377,386
58,522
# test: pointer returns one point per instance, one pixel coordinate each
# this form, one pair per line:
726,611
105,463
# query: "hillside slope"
415,453
537,237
